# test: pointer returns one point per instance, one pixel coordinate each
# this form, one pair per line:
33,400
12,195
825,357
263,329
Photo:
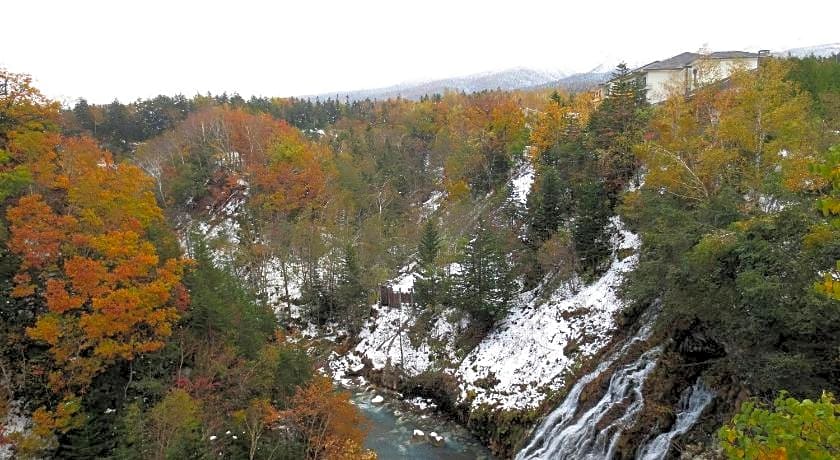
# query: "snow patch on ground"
421,404
277,281
221,230
15,422
522,181
384,341
340,368
404,282
433,203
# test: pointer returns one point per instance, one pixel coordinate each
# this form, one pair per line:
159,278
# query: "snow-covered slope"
548,330
579,81
523,357
540,340
526,355
14,422
385,340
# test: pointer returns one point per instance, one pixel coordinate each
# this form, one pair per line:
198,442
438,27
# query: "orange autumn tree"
84,252
206,155
292,176
497,132
331,426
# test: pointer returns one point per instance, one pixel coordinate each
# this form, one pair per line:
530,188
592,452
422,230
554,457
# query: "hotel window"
641,81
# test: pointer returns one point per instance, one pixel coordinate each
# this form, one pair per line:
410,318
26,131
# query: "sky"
102,50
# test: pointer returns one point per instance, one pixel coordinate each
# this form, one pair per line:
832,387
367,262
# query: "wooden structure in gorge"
388,297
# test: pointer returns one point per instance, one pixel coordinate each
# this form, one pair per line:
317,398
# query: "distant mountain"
577,82
526,78
826,50
509,79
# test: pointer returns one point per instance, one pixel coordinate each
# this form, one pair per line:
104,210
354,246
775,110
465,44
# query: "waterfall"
562,436
692,403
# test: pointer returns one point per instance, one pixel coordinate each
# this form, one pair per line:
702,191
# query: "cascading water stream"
692,403
562,436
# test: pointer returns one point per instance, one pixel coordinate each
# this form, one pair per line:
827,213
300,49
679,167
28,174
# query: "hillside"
559,276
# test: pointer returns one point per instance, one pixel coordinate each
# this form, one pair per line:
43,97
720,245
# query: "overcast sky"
103,50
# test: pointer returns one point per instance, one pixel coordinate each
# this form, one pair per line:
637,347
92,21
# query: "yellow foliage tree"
559,119
749,133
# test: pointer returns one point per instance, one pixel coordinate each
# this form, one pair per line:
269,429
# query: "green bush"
791,429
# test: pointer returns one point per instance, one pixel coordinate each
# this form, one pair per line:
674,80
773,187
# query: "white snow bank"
404,282
389,343
539,341
433,203
522,180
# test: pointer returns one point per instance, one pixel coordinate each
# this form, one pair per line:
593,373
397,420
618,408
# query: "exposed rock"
699,346
418,436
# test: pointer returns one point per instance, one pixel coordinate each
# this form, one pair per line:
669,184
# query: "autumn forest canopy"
176,272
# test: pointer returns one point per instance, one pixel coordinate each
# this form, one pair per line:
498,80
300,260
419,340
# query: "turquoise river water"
391,429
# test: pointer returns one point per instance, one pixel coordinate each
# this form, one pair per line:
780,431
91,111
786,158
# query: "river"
391,429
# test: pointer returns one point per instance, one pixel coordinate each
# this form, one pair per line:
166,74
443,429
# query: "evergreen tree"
429,244
567,156
191,182
428,285
96,437
591,231
550,206
485,284
319,301
616,126
350,293
222,309
119,129
84,115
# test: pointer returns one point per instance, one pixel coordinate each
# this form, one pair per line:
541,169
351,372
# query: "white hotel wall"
660,83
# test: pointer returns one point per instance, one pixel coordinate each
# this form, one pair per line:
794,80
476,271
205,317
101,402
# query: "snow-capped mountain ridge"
824,50
508,79
529,78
